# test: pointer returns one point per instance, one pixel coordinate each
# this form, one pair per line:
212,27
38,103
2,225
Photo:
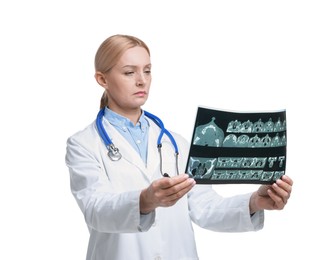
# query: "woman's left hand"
272,197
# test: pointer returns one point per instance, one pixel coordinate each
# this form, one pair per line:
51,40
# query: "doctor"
117,173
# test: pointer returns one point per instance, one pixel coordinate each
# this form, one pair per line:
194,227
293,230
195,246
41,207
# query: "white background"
237,55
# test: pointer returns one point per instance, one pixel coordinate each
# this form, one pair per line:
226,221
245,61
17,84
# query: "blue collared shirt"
136,135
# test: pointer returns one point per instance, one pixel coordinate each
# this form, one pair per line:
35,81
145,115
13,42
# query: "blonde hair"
110,51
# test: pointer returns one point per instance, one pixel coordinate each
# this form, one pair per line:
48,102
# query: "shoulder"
86,136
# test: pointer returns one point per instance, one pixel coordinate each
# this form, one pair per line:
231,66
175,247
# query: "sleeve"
104,209
211,211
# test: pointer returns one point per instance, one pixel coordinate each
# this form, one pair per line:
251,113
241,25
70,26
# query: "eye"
148,71
128,73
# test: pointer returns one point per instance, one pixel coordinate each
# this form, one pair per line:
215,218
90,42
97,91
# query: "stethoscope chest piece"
113,153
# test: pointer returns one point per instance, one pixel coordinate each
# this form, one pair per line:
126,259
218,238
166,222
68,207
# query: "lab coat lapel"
152,153
129,154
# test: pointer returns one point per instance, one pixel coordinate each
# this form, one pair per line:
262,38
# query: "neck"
133,115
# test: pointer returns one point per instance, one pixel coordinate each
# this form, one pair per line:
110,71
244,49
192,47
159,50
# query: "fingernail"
191,180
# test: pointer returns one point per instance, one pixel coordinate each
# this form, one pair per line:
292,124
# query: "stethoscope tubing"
113,151
159,122
101,129
108,142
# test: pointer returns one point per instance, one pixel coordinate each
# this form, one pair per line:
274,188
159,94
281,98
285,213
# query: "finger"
166,183
180,177
162,188
178,191
287,179
280,186
279,202
281,193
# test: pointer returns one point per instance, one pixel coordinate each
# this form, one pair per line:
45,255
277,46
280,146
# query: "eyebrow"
134,66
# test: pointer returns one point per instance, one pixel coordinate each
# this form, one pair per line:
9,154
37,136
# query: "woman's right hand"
165,192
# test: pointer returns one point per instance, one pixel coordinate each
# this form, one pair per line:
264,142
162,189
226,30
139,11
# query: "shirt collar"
120,121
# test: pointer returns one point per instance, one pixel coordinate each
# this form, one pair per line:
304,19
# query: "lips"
141,93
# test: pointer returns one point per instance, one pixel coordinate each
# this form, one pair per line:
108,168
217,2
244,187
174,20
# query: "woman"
131,210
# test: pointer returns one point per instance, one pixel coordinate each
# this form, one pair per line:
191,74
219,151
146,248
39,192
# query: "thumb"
262,191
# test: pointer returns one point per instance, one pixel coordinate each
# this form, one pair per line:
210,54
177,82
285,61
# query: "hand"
165,192
272,197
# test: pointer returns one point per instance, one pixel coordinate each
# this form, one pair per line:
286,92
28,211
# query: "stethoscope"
114,153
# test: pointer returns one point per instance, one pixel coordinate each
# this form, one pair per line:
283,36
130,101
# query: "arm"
232,214
212,211
105,208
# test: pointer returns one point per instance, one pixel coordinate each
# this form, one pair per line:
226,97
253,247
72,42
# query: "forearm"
113,213
211,211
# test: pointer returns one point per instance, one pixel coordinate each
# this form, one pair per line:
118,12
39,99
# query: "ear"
101,79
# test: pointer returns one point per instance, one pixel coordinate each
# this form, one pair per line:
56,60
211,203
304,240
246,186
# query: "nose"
140,79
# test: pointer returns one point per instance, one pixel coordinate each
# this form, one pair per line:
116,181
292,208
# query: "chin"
142,102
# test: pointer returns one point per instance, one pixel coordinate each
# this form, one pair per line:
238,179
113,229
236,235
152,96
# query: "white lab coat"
107,193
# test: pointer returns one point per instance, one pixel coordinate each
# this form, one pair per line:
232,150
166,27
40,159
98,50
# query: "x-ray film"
237,147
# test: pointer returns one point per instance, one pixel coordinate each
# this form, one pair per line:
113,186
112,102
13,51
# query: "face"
128,82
